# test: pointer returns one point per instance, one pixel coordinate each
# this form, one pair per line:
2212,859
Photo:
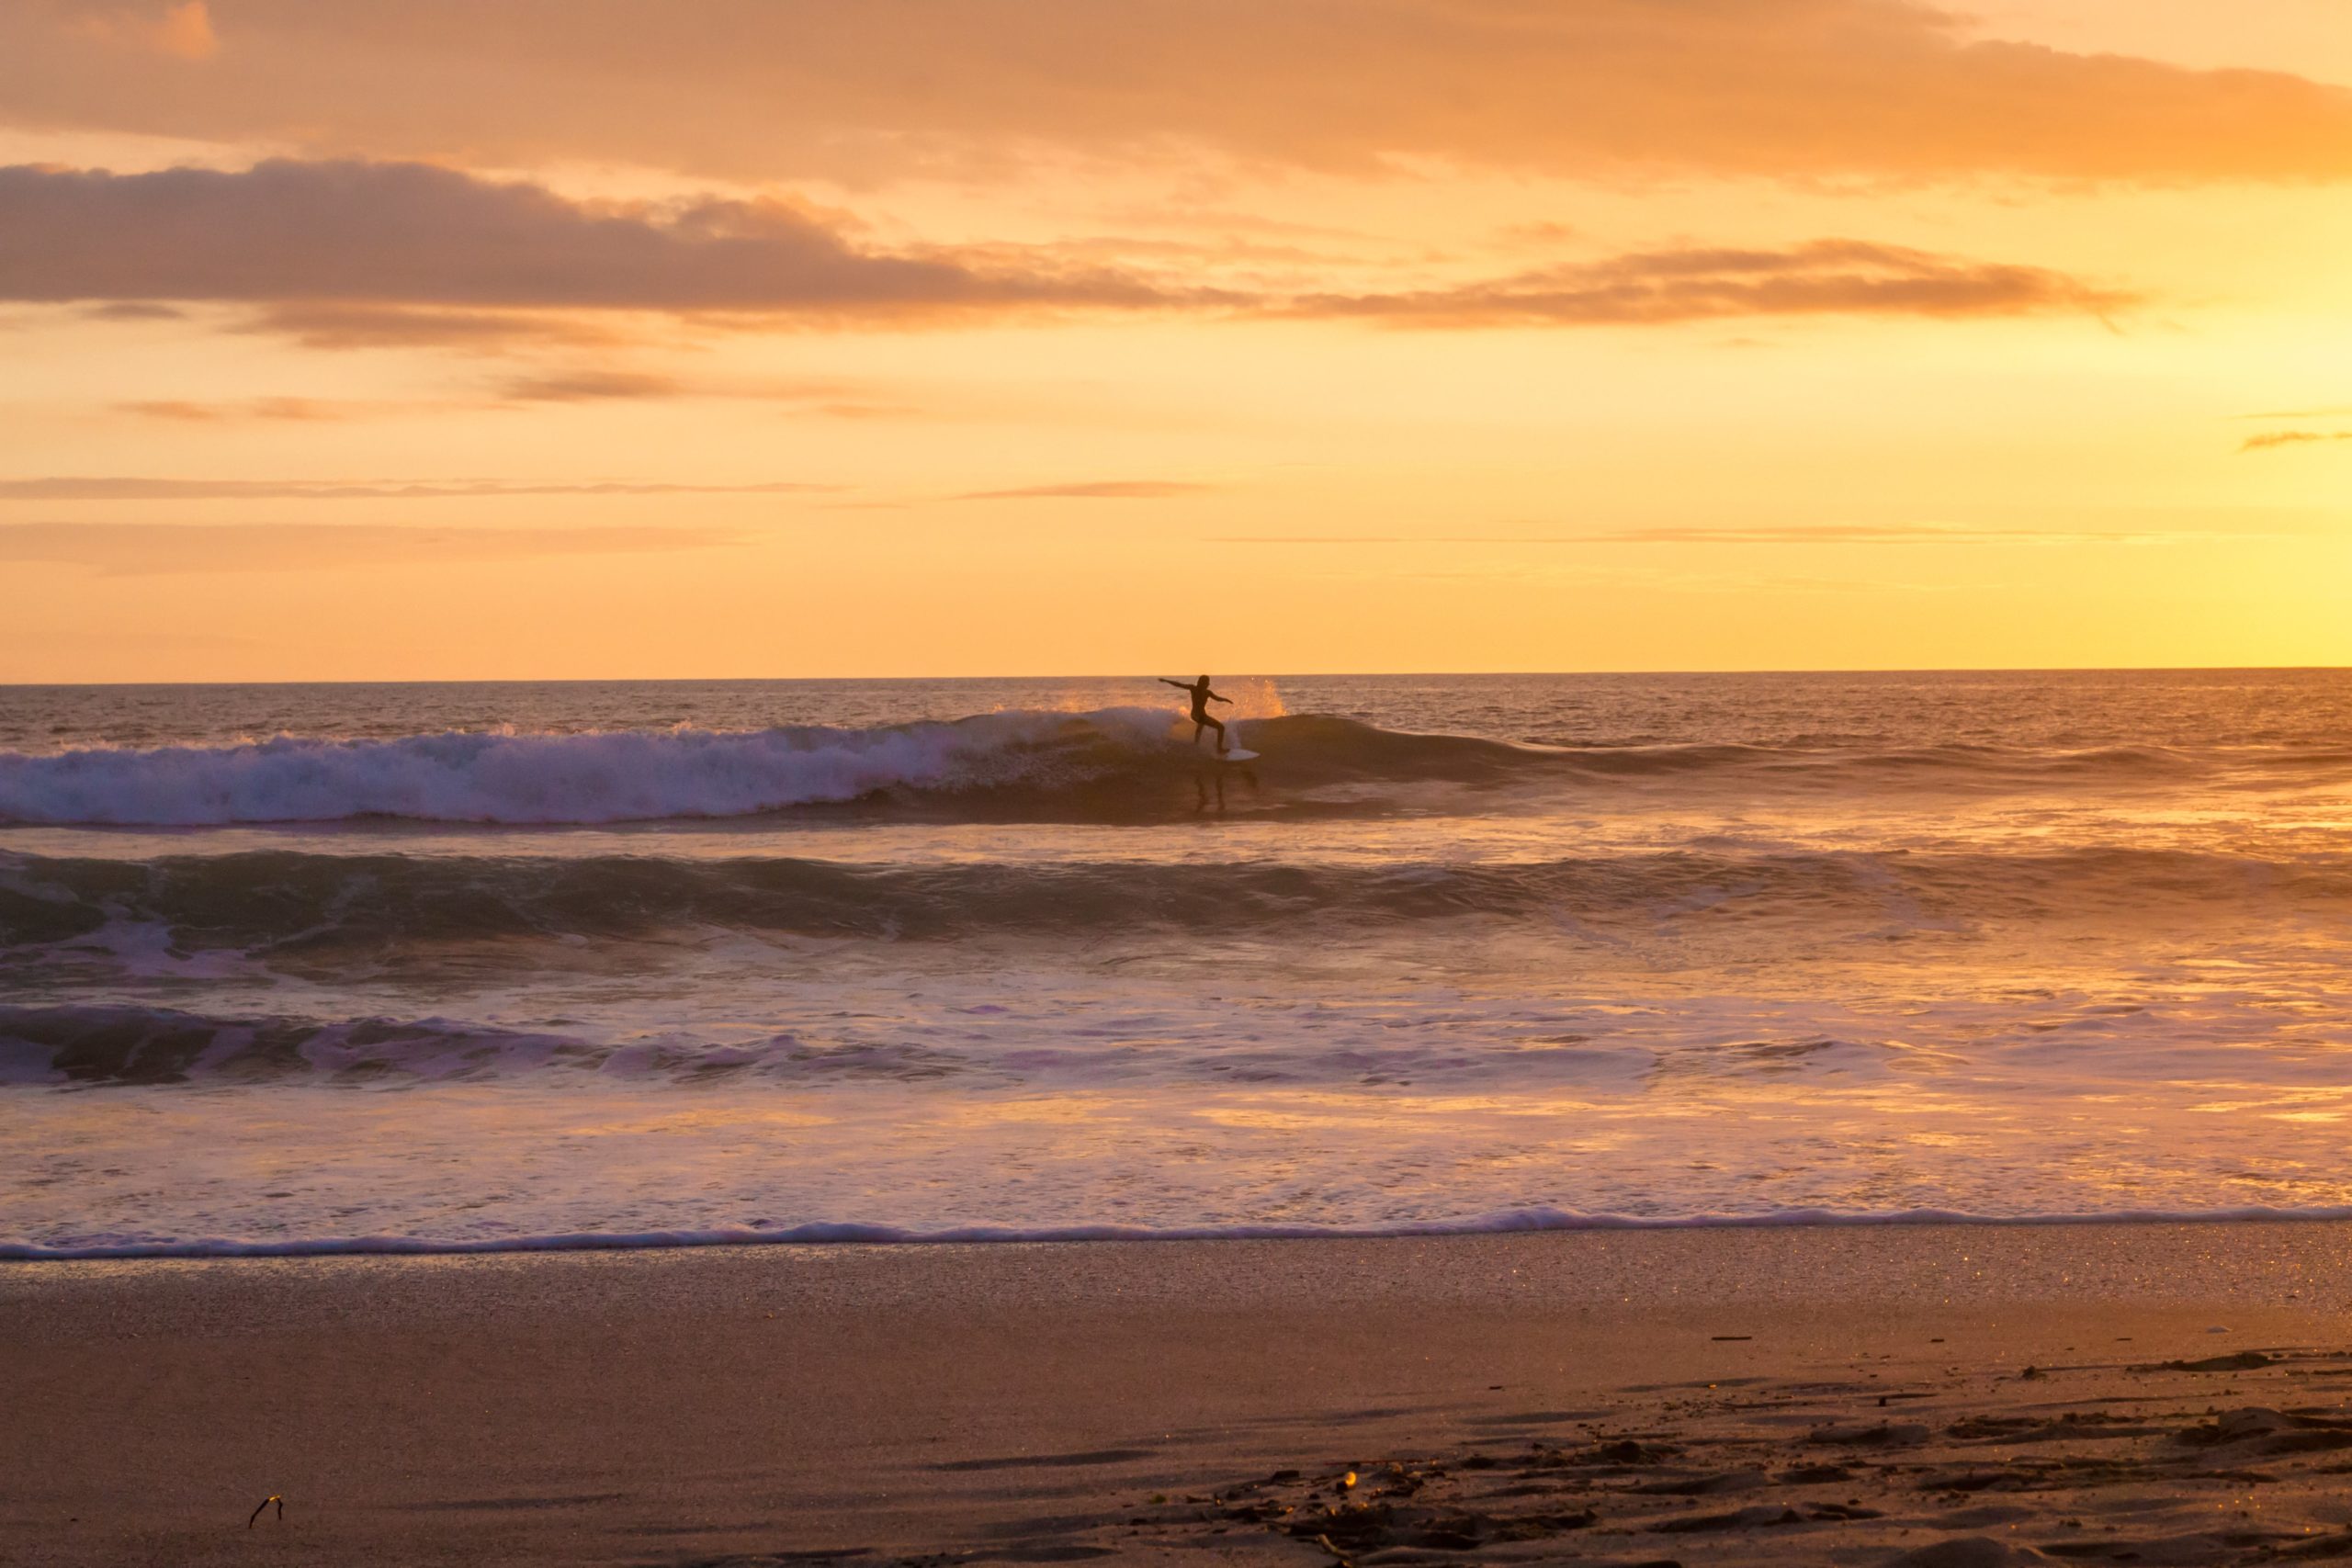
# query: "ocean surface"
444,967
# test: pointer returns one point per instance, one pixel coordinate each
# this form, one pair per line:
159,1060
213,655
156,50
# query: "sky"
700,338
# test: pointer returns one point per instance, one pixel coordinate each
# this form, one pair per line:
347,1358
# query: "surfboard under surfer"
1202,697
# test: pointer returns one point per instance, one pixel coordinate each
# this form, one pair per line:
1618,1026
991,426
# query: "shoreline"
830,1234
1026,1401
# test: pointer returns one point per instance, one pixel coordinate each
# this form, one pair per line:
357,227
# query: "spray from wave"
611,776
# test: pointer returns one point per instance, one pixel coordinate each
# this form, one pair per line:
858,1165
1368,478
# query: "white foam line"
837,1232
590,777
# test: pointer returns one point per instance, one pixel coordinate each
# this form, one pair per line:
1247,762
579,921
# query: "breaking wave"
1111,764
1504,1222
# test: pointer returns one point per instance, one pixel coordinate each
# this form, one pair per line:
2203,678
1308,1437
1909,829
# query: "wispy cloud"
2270,439
586,386
1796,534
1877,533
347,326
832,399
1094,490
142,550
1833,277
134,311
299,410
111,488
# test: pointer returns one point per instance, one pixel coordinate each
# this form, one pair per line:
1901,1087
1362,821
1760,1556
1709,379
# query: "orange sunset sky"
520,338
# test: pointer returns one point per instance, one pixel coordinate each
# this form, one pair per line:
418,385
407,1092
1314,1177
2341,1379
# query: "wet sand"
2131,1393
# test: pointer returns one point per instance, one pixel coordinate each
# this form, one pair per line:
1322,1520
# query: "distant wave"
98,1045
1114,763
850,1233
290,904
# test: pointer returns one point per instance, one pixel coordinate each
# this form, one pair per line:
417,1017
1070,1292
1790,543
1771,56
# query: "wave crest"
1111,764
599,776
279,905
824,1233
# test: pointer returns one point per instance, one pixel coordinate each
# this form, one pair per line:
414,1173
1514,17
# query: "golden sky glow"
469,338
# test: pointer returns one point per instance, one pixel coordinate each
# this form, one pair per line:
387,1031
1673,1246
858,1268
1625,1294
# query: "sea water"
307,968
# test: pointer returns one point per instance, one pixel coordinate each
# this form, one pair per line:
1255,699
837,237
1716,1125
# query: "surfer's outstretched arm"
1214,698
1180,686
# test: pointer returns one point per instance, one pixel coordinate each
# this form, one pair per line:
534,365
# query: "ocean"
290,969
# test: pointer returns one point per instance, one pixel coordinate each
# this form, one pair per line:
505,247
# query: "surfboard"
1205,741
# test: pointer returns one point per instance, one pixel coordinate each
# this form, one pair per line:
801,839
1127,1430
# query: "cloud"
1885,534
134,311
1796,534
101,489
377,254
881,89
590,384
183,31
586,386
144,549
285,233
304,410
2270,439
1833,276
832,399
1093,490
395,326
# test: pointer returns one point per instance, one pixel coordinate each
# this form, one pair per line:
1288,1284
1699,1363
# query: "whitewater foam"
847,1233
1110,761
610,776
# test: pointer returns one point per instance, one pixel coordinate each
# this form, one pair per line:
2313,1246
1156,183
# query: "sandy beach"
2157,1394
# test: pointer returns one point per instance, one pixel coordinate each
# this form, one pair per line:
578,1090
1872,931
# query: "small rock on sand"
2243,1361
1882,1435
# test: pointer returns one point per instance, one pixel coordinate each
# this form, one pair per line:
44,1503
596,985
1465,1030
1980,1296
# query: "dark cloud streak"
1835,277
2270,440
370,234
1094,490
344,326
296,410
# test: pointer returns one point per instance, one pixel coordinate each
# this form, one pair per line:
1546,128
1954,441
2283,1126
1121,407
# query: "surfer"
1202,697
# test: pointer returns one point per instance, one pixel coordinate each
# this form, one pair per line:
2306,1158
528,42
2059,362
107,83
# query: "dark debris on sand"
2105,1465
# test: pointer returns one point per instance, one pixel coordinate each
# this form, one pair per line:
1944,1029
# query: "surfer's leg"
1218,725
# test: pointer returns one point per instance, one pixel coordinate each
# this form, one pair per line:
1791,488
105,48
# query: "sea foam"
850,1233
608,776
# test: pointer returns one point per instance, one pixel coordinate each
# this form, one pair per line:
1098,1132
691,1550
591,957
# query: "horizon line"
1243,674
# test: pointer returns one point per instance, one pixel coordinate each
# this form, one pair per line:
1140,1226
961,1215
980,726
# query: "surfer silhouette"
1202,697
